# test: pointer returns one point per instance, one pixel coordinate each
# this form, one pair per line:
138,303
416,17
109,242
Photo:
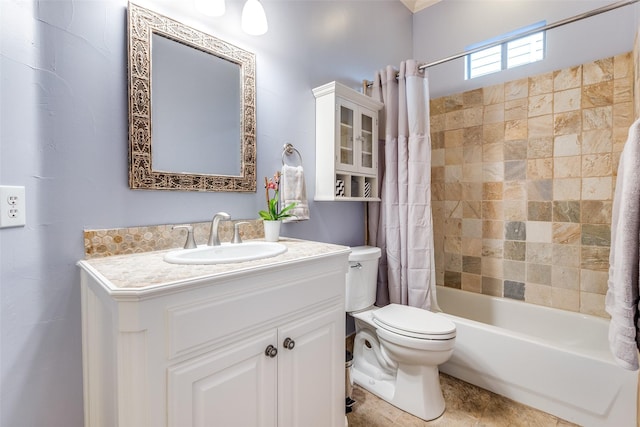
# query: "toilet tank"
362,278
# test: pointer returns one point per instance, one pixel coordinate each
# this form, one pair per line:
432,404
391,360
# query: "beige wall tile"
592,304
515,210
514,190
516,89
492,248
539,253
622,91
538,294
623,116
597,95
515,130
472,209
597,188
539,231
541,104
597,165
623,66
567,189
597,71
493,113
540,126
453,156
542,83
567,78
567,167
597,141
493,94
473,116
453,138
472,228
493,152
492,267
566,255
493,171
453,120
471,246
473,97
567,123
567,145
472,282
493,133
567,100
516,109
594,281
566,233
565,277
565,299
472,172
540,168
597,118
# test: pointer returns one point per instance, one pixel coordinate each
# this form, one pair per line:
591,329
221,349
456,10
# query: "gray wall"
449,26
63,135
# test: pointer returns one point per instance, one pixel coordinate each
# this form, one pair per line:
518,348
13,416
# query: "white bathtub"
554,360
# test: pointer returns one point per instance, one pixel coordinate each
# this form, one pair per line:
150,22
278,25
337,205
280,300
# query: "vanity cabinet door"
311,371
233,386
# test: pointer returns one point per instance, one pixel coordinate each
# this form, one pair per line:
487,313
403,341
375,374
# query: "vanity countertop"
148,270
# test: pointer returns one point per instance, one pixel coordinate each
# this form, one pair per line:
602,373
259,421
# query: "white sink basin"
226,253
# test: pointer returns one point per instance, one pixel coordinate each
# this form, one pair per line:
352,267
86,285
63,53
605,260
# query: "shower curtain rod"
594,12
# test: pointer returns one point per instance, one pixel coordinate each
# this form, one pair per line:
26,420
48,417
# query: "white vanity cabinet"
346,144
263,346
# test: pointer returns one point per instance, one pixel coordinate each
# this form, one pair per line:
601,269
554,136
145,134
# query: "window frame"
503,42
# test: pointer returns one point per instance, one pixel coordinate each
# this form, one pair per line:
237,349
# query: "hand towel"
293,190
623,287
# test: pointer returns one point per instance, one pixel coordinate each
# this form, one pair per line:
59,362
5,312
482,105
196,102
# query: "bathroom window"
501,56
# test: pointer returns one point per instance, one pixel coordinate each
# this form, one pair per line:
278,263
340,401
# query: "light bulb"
254,20
210,7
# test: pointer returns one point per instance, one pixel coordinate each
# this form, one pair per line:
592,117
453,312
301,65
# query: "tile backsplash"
523,175
121,241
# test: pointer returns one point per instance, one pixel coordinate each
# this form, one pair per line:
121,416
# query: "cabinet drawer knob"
289,343
271,351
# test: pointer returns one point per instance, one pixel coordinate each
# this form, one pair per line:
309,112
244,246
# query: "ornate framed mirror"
192,109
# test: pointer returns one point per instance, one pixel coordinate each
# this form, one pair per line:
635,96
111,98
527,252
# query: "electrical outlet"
12,206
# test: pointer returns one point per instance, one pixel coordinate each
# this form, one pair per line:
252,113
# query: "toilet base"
416,390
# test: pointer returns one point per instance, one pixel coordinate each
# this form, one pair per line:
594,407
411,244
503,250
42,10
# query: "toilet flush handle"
357,265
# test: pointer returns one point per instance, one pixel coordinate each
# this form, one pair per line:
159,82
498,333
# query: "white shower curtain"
402,224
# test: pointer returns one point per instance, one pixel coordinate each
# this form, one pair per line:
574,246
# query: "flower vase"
271,230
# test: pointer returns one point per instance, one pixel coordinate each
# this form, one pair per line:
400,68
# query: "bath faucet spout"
214,240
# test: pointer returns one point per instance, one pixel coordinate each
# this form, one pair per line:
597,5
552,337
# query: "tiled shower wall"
523,175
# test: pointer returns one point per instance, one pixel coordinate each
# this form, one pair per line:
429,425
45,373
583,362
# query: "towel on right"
623,291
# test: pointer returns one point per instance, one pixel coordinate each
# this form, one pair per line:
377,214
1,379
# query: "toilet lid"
414,322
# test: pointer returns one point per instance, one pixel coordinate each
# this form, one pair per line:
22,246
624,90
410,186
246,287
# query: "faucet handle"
236,232
191,242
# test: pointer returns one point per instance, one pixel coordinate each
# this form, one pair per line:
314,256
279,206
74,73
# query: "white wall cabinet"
346,144
258,348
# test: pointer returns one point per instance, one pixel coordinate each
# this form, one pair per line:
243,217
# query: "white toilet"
397,348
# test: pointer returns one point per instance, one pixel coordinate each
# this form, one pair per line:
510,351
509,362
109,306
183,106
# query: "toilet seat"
414,322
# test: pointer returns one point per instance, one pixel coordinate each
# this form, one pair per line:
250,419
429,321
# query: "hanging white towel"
623,286
293,190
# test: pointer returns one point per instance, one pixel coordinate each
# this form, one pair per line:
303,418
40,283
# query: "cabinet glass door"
366,139
346,149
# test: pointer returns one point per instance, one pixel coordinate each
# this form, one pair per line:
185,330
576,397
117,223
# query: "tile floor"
467,405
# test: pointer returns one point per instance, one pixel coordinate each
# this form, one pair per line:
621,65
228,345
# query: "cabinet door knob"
289,343
271,351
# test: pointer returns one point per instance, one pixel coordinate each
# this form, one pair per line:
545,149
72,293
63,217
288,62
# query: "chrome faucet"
213,235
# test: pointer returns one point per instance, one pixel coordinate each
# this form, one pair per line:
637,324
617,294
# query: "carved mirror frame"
142,24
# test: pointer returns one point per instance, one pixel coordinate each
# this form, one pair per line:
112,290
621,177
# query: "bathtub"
553,360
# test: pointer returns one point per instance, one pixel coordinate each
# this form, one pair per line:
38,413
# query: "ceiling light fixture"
210,7
254,20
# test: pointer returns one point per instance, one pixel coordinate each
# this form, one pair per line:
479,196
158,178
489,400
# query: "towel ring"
288,150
